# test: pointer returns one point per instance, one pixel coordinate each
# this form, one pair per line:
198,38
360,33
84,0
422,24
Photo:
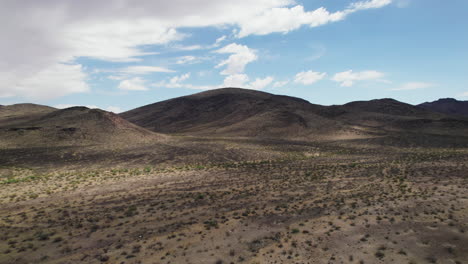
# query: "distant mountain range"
448,106
240,112
234,112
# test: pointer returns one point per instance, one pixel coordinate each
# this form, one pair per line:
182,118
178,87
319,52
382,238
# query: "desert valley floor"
285,202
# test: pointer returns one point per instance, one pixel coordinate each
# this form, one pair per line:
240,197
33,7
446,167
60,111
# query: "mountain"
383,116
448,106
249,113
236,112
70,127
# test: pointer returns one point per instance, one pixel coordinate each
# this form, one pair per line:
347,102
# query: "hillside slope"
448,106
71,127
20,113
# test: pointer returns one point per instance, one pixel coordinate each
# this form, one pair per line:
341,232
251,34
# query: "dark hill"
389,115
241,112
234,111
448,106
387,106
19,113
23,109
73,126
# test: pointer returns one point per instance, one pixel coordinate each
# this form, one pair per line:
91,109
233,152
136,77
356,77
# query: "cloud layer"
47,38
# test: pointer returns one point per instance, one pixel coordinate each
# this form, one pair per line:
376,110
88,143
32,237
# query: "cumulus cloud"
134,84
260,84
285,19
241,55
413,86
242,81
309,77
348,78
236,80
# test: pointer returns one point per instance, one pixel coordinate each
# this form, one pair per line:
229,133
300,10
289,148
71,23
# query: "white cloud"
181,78
134,84
242,81
413,86
117,40
259,84
309,77
280,84
114,109
464,94
176,81
348,78
367,5
186,60
187,48
54,81
144,69
179,82
284,19
241,56
219,40
236,80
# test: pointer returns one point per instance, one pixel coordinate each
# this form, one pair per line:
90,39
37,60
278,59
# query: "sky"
121,54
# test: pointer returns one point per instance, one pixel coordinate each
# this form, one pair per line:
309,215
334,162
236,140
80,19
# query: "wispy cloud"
280,84
241,55
144,69
413,86
348,78
134,84
309,77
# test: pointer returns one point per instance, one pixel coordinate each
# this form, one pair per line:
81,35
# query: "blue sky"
124,54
